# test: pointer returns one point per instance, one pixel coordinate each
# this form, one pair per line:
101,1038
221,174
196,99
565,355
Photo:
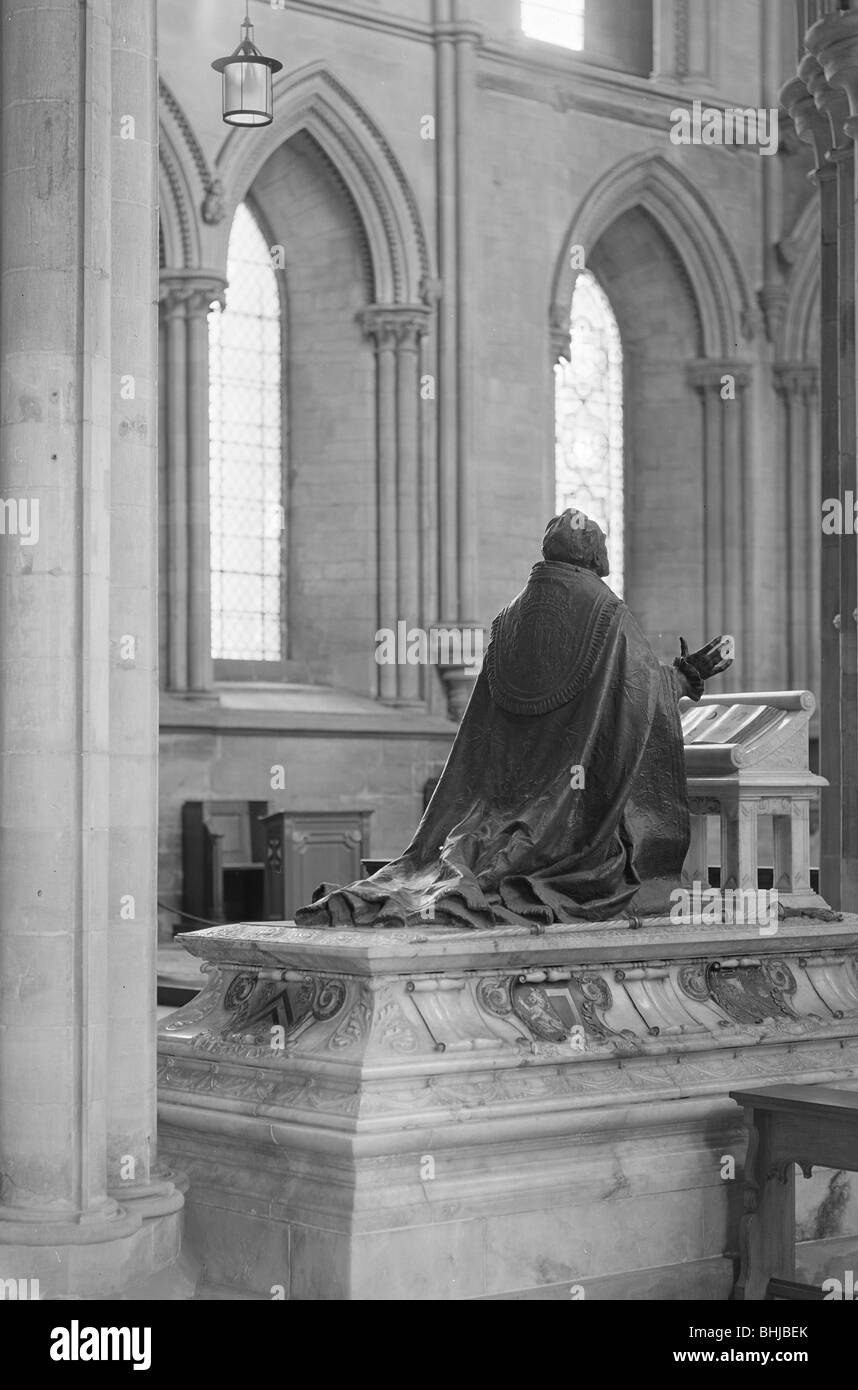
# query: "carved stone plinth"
397,1114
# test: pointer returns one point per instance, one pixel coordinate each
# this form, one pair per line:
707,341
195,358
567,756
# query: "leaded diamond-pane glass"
589,419
554,21
246,469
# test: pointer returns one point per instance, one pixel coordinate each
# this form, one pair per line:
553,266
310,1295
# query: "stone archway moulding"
190,197
198,205
727,312
315,101
178,183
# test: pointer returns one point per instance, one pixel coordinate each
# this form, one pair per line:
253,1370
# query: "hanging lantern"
248,92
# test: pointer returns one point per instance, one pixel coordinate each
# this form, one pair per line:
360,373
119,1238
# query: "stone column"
815,127
397,331
77,700
384,332
663,41
133,837
707,380
448,371
813,494
830,72
163,509
739,608
791,845
467,38
723,390
681,41
54,621
187,297
199,516
739,868
456,41
411,327
174,390
844,156
773,292
796,383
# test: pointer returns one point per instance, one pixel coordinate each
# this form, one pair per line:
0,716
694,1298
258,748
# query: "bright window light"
589,419
246,464
554,21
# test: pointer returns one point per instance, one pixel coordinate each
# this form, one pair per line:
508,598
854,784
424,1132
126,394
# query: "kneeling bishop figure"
564,796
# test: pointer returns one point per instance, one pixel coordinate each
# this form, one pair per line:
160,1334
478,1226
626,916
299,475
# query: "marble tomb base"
451,1115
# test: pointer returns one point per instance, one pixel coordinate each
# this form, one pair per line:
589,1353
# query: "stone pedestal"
500,1114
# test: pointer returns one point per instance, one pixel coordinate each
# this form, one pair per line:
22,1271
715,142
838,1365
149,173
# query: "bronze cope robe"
570,692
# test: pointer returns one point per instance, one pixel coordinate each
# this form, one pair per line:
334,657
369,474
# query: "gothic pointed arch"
726,309
314,100
186,184
179,240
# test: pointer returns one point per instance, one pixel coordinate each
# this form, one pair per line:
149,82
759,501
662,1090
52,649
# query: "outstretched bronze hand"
711,659
698,667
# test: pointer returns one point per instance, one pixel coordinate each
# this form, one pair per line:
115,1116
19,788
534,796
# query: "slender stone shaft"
55,407
199,518
133,608
174,389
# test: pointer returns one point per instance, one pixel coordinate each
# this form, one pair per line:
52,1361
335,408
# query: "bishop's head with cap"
575,539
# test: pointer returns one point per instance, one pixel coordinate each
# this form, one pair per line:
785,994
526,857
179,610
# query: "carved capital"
560,328
395,325
796,379
831,103
708,375
192,292
833,41
704,376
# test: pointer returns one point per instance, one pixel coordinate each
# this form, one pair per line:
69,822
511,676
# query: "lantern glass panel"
247,94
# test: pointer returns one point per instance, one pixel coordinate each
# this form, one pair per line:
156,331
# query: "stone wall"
360,761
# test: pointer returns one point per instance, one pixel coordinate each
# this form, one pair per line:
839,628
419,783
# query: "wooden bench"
812,1126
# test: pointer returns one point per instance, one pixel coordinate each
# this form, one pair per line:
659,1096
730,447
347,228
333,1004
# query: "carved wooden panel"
304,849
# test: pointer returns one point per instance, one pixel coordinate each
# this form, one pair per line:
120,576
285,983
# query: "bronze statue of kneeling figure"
564,796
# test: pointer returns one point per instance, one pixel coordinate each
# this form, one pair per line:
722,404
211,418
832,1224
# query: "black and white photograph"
428,667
